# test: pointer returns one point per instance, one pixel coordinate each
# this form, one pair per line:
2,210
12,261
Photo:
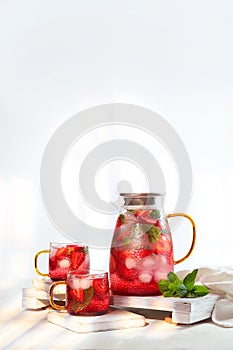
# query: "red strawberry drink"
141,252
64,257
87,293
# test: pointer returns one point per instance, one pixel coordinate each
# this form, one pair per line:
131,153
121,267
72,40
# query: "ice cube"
130,263
64,263
83,283
159,261
145,277
148,262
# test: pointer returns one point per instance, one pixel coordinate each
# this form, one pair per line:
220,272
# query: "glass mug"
62,258
87,293
141,251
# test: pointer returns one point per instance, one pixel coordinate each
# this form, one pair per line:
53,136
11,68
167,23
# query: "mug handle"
36,259
194,235
51,301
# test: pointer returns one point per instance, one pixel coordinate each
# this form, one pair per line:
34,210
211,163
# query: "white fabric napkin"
219,280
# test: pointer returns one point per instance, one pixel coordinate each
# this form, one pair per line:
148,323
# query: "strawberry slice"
100,286
147,219
77,248
134,254
163,245
60,253
77,294
128,274
139,213
77,259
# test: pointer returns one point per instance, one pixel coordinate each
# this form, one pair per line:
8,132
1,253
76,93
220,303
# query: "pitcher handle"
194,235
36,262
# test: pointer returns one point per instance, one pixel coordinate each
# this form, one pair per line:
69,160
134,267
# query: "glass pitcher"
141,251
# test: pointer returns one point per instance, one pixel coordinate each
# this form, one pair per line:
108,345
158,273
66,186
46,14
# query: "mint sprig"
153,234
186,288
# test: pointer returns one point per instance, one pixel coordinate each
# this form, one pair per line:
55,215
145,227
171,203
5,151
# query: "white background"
60,57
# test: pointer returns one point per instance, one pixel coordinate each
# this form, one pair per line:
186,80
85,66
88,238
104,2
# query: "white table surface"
24,329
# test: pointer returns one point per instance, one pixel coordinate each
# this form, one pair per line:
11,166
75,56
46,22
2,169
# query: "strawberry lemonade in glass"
87,293
64,257
142,252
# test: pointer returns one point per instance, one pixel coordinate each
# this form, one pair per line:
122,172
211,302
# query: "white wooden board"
34,303
34,293
41,294
37,297
114,319
45,283
184,310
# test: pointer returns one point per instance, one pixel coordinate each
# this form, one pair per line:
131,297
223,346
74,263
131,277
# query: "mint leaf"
172,277
153,234
189,280
174,282
200,291
155,214
181,291
173,286
163,285
168,294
